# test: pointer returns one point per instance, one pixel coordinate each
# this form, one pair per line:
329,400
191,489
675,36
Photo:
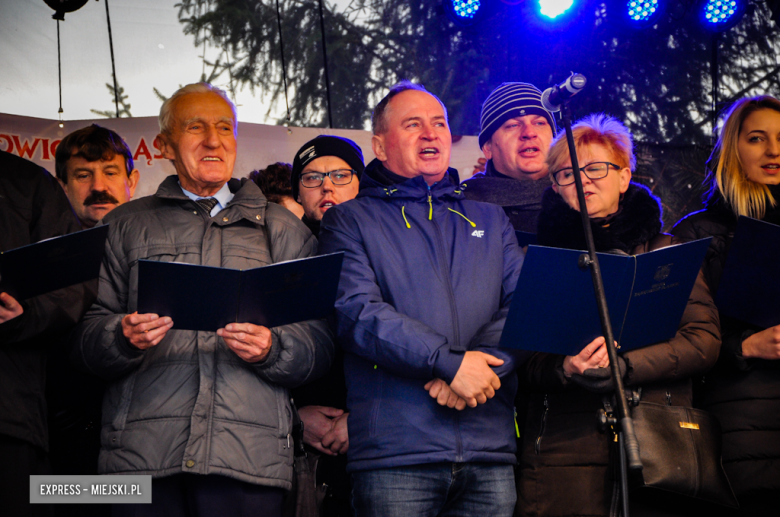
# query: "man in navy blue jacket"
423,296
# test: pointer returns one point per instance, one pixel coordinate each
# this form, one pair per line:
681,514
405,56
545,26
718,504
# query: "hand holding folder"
554,306
52,264
209,298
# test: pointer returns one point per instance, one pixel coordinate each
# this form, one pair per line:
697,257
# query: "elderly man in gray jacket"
213,404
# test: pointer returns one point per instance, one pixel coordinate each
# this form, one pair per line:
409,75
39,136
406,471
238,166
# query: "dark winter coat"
33,207
520,199
190,404
427,276
743,393
565,462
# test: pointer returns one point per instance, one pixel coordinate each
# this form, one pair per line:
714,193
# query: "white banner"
258,145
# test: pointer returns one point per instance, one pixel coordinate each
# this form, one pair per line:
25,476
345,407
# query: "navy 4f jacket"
427,275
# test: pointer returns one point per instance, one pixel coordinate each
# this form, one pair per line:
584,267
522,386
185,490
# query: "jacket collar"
637,221
247,199
378,181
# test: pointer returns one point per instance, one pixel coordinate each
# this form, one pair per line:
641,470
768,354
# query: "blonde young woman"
743,390
567,466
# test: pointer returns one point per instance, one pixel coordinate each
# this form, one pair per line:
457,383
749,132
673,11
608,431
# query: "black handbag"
680,449
306,497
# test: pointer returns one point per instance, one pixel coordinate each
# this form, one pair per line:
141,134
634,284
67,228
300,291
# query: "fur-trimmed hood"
637,220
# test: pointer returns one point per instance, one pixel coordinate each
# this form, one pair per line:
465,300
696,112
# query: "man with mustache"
206,413
95,167
515,135
424,291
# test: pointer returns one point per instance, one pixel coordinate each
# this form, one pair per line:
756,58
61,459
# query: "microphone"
555,96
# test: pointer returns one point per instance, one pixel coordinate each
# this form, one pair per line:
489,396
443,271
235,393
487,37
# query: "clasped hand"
325,429
474,383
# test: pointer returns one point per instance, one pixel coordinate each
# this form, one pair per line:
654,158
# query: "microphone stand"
627,442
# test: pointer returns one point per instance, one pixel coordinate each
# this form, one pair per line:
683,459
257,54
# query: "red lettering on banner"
45,149
10,147
53,147
22,149
143,149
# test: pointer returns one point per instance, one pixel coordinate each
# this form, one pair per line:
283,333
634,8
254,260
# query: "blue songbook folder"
208,298
554,305
52,264
525,238
749,285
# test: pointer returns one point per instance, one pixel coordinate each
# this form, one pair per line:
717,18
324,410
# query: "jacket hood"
380,182
637,220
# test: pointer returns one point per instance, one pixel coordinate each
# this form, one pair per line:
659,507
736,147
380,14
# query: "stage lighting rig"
721,15
463,12
552,9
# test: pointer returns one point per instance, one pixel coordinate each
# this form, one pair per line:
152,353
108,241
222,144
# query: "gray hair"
166,115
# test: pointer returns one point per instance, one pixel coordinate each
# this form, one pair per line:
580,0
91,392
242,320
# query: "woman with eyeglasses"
743,390
567,467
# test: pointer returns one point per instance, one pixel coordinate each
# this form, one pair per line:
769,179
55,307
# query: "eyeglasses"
594,171
338,177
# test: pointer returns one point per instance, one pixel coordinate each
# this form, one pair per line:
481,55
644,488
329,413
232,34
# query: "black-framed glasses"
594,171
337,177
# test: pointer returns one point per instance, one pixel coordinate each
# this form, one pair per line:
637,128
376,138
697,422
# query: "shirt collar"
223,197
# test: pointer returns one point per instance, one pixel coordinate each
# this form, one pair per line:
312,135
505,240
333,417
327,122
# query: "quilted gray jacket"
190,404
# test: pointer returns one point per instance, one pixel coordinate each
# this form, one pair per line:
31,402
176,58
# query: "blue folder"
554,305
748,289
525,238
208,298
52,264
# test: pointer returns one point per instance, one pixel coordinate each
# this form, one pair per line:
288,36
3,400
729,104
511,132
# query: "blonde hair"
600,129
725,172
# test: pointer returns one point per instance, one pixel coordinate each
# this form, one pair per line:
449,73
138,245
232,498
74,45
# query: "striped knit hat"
511,100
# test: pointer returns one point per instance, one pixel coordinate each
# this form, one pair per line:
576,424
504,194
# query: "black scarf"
637,220
721,209
312,225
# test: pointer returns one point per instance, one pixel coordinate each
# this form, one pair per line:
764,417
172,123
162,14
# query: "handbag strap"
297,431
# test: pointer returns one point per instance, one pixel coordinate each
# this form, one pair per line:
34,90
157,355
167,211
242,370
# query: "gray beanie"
511,100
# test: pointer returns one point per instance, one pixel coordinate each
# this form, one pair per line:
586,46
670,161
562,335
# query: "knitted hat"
326,145
511,100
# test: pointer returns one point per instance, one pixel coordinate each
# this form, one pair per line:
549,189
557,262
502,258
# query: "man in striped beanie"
515,134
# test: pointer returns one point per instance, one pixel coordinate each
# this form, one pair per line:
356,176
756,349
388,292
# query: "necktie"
208,203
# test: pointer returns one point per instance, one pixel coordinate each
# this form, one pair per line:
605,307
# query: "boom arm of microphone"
554,97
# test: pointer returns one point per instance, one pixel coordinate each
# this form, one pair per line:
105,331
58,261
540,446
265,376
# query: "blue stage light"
642,10
721,15
465,9
464,12
554,8
720,11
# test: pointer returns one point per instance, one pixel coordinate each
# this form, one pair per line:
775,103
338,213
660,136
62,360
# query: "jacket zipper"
538,445
445,267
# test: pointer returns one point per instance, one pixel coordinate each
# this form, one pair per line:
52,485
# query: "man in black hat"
326,172
515,135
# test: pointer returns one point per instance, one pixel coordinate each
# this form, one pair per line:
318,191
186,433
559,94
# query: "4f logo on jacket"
478,233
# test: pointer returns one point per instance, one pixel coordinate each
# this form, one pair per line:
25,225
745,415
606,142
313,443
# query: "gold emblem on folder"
689,425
